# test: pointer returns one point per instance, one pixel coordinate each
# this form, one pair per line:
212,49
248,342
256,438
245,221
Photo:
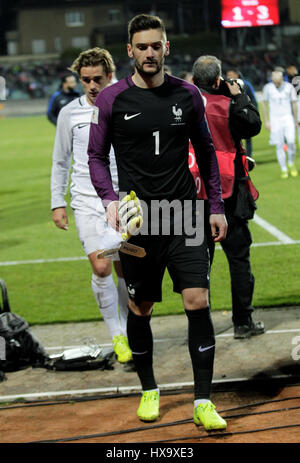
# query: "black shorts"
188,266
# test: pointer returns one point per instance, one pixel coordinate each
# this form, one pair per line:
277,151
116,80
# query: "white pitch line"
282,237
42,261
225,335
118,389
273,243
74,259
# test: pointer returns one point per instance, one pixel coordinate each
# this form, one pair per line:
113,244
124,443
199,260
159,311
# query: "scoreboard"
249,13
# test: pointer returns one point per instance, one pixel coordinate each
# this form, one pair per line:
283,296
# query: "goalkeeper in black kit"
149,118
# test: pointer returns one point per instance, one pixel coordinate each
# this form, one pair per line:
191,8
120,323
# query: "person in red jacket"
231,117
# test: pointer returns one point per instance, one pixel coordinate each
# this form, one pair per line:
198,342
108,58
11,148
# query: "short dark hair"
235,70
206,70
64,77
183,74
144,22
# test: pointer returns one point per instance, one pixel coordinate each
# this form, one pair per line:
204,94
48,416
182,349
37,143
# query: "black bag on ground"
22,348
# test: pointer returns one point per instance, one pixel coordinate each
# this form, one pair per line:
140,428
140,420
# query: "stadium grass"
60,291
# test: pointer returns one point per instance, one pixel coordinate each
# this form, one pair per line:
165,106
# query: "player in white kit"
298,125
95,68
281,98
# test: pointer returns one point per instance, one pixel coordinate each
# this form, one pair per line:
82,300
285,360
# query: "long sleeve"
99,148
61,160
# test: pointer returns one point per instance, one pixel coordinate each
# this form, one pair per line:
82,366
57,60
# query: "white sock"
151,390
106,296
123,304
200,401
281,157
291,153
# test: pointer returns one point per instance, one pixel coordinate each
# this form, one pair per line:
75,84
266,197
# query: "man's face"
94,79
277,78
148,49
69,84
292,71
232,75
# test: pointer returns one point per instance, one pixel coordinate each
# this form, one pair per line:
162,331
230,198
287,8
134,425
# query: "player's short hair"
94,57
206,70
279,69
144,22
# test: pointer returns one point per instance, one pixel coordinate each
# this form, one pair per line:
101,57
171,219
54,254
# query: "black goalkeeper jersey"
150,131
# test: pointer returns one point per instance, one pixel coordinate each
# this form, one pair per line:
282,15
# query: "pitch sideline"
282,238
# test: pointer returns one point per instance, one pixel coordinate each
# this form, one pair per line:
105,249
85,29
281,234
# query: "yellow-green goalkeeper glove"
130,215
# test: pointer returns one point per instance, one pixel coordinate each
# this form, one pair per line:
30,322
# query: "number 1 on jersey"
156,135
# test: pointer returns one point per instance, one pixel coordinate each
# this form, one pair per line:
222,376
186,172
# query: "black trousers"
237,249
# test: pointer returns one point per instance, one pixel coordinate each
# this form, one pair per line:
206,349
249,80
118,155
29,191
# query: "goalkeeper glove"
130,215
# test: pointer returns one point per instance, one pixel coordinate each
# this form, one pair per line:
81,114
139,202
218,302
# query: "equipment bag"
21,347
82,358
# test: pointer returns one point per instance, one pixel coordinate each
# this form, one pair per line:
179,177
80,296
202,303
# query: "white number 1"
237,14
156,135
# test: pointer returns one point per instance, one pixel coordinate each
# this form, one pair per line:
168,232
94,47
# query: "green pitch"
60,291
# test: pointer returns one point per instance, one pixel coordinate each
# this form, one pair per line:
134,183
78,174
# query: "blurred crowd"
40,79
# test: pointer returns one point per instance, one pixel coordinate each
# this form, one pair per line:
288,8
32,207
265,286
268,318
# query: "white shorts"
282,130
93,230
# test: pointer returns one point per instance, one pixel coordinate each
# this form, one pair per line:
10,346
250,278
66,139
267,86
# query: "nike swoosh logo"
82,125
126,117
139,353
202,349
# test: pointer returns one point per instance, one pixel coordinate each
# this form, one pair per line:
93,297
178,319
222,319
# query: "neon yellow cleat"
149,406
206,415
284,174
122,349
293,170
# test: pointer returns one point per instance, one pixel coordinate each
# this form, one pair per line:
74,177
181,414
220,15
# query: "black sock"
202,350
141,344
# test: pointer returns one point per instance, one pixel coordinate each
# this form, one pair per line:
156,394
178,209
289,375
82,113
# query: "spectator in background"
291,72
279,107
249,90
65,95
167,69
186,75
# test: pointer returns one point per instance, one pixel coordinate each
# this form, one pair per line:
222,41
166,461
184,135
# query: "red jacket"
217,114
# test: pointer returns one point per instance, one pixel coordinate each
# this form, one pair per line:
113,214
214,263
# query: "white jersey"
280,100
71,142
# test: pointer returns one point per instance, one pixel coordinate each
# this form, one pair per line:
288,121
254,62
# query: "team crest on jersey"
177,113
95,115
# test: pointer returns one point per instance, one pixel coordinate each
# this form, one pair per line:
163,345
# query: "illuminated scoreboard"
249,13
